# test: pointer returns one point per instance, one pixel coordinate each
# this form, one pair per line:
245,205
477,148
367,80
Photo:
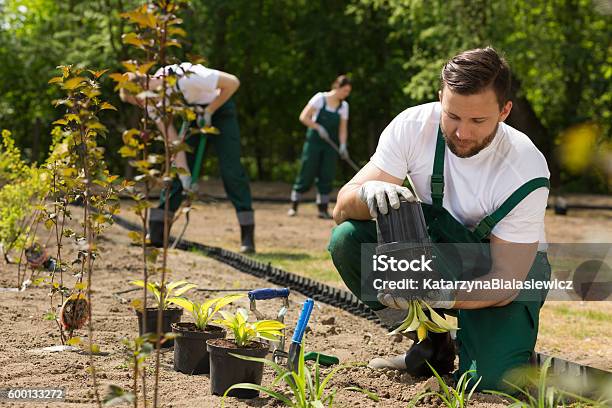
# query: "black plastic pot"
169,316
226,370
190,354
402,234
405,225
156,226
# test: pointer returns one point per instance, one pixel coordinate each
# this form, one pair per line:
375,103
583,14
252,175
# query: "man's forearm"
168,131
349,206
481,298
511,261
223,97
172,135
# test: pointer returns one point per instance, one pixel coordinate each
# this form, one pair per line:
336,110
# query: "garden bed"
333,331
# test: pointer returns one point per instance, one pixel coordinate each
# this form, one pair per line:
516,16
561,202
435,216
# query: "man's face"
469,122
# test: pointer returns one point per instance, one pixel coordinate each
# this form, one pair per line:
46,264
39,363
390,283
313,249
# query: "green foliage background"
286,50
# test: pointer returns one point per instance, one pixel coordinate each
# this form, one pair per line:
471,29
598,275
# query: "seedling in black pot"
190,354
163,299
226,369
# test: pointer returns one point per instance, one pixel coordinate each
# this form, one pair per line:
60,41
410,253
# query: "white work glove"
374,193
343,151
186,182
436,299
323,133
440,299
207,116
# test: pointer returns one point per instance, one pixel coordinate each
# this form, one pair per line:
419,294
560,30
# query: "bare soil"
575,331
23,332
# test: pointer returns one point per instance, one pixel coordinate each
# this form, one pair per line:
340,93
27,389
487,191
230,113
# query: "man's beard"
453,146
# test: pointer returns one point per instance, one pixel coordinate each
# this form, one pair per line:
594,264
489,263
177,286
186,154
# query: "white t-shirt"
197,83
476,186
317,102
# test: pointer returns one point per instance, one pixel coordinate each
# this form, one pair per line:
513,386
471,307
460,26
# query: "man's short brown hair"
473,71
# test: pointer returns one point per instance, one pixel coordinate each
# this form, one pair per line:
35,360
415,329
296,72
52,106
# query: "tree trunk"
523,118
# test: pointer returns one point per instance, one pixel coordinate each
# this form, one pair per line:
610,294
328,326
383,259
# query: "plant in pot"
164,297
227,370
307,386
190,354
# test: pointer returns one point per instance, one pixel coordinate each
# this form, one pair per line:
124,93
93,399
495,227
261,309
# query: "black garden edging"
318,291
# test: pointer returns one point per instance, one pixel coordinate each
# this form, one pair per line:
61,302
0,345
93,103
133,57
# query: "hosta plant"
417,320
164,297
244,331
203,312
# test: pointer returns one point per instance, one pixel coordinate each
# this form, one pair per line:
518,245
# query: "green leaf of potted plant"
307,387
227,370
190,354
163,299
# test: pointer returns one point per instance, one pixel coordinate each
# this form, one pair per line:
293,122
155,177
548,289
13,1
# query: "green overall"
491,340
227,148
318,157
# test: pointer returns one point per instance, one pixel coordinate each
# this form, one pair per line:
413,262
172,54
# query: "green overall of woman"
318,161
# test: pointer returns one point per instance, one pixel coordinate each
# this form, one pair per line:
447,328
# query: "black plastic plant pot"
402,234
190,353
226,370
406,224
169,316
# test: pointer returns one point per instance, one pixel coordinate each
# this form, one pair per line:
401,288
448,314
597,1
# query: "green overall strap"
437,176
323,107
325,104
485,226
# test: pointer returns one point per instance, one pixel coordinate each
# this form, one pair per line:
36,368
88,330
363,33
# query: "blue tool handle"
268,293
300,328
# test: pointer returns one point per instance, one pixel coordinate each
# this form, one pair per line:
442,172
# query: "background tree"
286,50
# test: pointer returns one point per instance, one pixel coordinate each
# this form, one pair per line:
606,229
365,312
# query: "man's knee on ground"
342,240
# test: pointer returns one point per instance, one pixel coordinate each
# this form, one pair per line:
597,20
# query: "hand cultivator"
267,294
296,343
